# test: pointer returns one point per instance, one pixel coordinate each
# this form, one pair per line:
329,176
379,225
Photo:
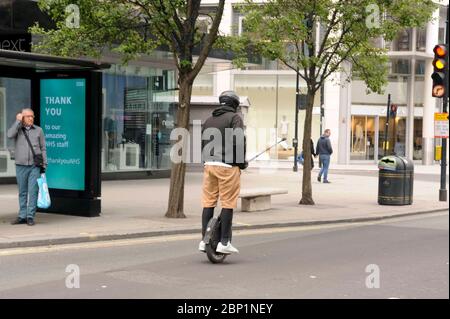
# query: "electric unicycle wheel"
212,239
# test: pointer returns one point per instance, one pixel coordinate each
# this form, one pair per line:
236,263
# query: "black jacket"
234,147
324,146
313,152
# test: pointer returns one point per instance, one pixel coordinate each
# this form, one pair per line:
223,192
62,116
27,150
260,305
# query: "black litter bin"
395,181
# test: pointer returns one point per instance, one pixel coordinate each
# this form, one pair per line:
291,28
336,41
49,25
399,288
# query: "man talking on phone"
31,161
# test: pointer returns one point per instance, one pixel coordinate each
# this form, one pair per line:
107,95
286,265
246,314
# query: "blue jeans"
27,177
325,160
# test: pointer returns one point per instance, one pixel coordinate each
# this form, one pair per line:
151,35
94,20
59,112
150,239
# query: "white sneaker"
202,246
228,249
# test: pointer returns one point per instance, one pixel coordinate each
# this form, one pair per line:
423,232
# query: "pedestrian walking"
324,150
31,161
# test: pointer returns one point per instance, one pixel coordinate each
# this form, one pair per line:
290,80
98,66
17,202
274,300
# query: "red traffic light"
440,50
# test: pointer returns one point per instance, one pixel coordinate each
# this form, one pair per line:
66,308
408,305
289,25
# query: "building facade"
139,108
357,119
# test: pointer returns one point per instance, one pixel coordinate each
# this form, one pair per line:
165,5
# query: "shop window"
402,41
418,143
421,39
237,23
420,67
137,119
396,138
400,66
15,94
363,138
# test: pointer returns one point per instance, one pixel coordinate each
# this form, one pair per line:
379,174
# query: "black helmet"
229,98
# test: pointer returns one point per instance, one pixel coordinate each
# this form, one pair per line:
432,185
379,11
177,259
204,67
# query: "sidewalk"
136,208
363,167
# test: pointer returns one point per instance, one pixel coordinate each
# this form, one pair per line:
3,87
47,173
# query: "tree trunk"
177,176
306,183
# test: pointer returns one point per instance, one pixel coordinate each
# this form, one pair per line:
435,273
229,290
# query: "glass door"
363,137
396,137
15,94
418,142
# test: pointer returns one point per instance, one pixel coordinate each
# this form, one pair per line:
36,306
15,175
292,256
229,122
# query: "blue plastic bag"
301,159
44,201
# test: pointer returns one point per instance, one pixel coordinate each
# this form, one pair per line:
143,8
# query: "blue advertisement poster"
63,119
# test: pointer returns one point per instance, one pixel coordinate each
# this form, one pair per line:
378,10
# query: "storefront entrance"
363,138
368,137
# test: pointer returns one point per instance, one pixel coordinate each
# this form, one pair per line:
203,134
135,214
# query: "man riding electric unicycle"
223,159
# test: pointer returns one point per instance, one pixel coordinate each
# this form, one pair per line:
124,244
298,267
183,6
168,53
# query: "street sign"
20,42
440,125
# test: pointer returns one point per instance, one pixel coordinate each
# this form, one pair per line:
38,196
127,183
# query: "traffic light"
439,74
393,111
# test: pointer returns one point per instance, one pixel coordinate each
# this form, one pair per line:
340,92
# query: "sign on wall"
20,42
440,125
63,119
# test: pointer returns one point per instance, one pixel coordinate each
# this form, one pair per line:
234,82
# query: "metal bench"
258,198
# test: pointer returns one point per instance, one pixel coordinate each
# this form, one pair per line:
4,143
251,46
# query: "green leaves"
129,27
317,36
103,24
186,65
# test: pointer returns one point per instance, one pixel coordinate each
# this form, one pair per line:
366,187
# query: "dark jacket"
313,152
234,144
324,146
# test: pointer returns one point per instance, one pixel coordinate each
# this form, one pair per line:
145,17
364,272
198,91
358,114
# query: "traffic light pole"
443,188
386,130
295,144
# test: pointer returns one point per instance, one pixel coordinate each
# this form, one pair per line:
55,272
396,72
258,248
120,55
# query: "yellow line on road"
242,224
172,238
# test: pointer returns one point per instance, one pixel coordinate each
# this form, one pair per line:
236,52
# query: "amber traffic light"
440,66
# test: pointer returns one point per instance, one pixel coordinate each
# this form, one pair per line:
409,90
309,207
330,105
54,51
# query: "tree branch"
327,33
336,66
210,38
